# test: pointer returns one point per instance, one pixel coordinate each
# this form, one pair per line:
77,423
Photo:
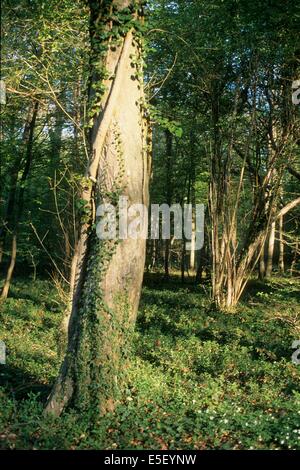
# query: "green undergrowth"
197,379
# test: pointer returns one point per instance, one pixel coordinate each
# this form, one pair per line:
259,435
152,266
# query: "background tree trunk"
169,193
269,267
262,264
281,245
192,197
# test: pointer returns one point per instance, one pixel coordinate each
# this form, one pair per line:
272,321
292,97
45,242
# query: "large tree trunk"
108,273
192,197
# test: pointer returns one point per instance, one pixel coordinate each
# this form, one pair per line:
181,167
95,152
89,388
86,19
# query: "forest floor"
198,379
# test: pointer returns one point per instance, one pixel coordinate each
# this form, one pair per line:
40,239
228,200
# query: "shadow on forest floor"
20,384
167,310
284,289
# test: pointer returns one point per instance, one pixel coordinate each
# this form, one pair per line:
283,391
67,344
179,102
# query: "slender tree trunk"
192,196
216,198
68,252
1,250
11,267
203,258
199,271
262,264
108,273
169,191
193,241
183,253
296,251
281,245
295,257
269,267
167,258
153,253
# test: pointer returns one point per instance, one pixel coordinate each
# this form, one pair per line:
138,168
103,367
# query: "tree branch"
288,207
293,172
